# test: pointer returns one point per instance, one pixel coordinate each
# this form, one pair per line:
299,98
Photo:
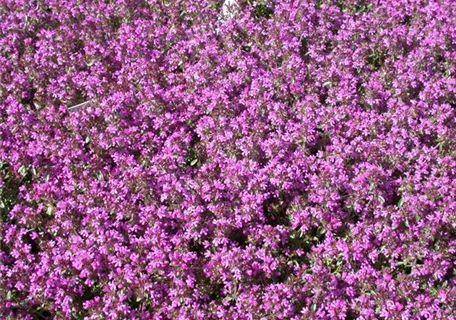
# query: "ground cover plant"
288,160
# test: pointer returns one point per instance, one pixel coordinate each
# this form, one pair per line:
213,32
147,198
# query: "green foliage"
9,190
261,10
376,59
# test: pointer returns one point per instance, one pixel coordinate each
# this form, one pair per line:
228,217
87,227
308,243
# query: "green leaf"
100,175
50,210
194,162
401,202
382,200
23,171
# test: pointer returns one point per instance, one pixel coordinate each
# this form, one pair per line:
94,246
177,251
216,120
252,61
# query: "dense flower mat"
289,160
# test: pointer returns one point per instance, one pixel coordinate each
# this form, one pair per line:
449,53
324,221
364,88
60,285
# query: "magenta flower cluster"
262,160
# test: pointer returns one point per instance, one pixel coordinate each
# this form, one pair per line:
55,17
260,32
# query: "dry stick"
71,109
79,106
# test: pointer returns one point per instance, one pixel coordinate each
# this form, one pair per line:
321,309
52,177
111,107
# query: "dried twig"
79,106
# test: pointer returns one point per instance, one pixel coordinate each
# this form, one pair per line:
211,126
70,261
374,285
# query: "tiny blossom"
231,159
